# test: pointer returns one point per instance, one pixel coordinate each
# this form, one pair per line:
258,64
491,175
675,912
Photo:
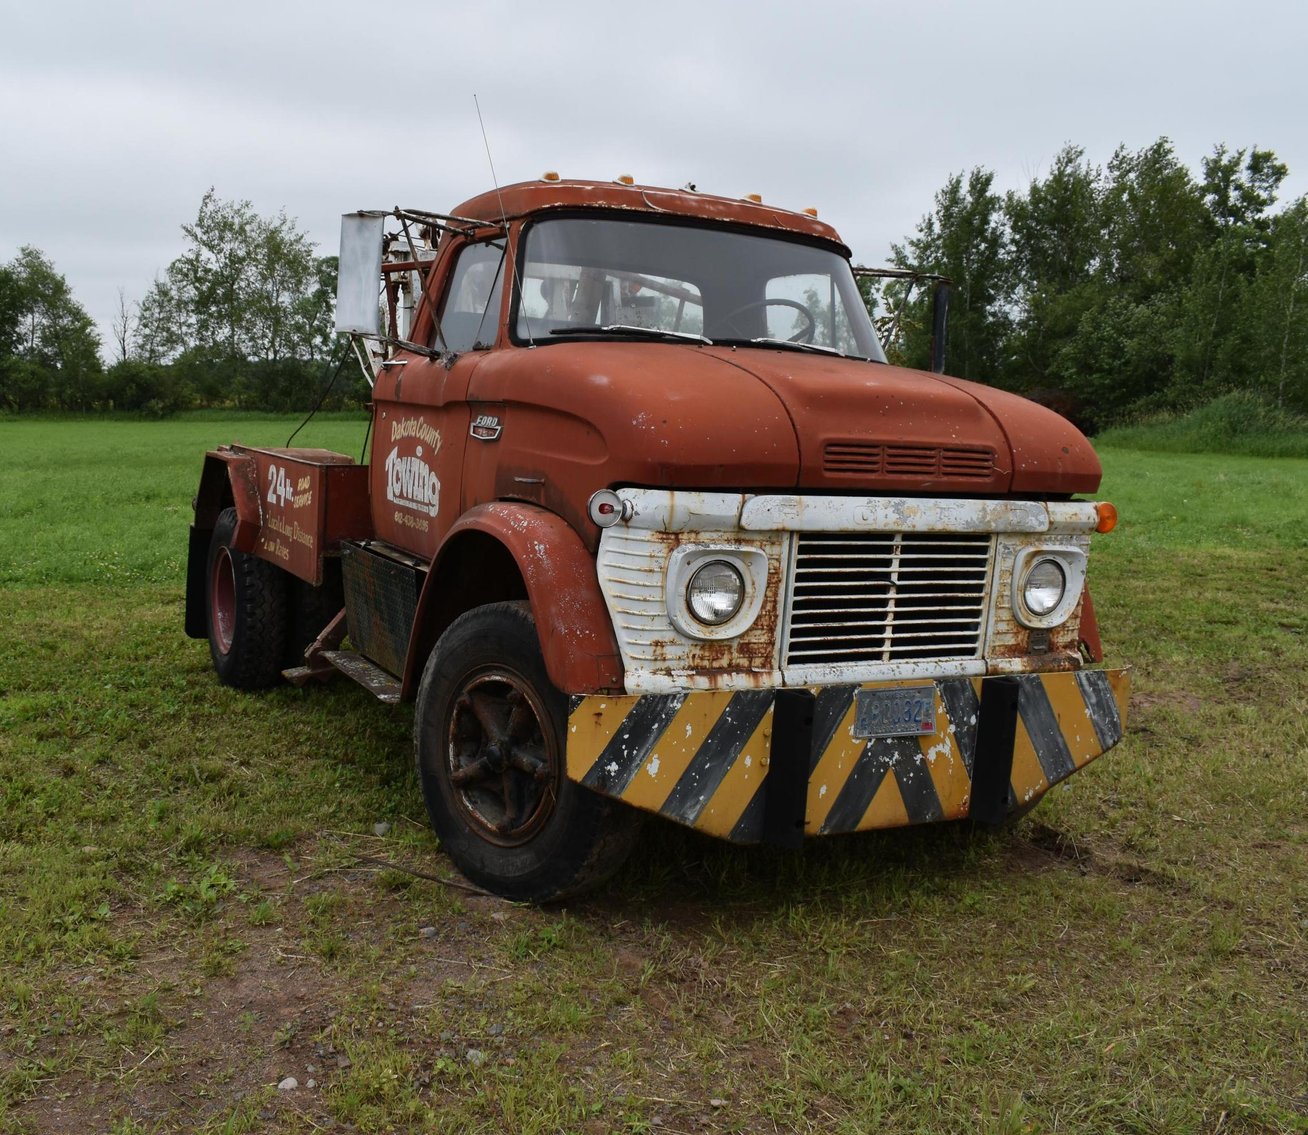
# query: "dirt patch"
1043,848
213,1043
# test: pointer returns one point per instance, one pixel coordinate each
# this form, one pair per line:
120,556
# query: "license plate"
904,711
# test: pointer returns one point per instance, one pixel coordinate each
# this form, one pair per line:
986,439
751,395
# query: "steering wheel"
803,335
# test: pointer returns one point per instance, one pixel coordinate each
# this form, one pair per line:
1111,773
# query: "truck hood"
888,429
583,415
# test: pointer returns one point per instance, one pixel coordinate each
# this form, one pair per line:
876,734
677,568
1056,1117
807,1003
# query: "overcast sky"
116,117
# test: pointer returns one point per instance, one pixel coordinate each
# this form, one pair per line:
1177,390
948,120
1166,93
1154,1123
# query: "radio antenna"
504,219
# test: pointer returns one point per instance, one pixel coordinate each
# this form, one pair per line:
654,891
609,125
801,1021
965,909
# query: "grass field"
204,892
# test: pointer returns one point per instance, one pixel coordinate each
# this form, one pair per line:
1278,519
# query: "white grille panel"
631,570
881,597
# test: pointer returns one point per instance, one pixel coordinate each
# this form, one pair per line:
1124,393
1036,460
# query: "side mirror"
358,277
939,323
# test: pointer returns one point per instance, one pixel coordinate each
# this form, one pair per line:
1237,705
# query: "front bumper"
778,765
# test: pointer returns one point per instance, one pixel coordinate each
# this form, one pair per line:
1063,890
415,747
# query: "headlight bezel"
1070,561
750,565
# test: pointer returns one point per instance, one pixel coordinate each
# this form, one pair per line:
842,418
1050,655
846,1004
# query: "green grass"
187,916
100,501
1238,423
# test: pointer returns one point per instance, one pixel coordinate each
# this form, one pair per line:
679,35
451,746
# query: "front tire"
247,612
489,737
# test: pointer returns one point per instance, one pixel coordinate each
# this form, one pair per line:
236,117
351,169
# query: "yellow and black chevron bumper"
776,765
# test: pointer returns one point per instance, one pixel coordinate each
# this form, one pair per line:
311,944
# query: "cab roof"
527,197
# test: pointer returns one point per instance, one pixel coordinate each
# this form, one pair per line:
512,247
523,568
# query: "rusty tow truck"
648,524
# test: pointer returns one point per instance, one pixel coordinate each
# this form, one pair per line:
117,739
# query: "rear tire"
310,610
489,737
246,601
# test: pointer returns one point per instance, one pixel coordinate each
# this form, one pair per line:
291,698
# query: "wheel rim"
503,766
222,601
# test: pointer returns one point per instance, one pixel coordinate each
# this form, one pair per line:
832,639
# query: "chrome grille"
882,597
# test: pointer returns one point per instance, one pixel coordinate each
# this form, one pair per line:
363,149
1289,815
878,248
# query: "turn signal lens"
549,175
626,179
606,508
812,212
1107,514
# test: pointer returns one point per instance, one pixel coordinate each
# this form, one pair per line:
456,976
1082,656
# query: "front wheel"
489,736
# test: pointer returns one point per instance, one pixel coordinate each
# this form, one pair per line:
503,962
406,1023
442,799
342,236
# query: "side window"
469,317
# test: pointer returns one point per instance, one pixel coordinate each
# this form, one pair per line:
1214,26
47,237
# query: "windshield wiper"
785,344
630,329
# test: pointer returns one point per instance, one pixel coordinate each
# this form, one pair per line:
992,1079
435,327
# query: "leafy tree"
151,389
1214,349
244,308
49,347
1112,339
1238,191
1056,229
1154,220
1116,290
1056,242
964,238
1277,311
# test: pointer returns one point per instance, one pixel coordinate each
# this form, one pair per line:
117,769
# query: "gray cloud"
116,117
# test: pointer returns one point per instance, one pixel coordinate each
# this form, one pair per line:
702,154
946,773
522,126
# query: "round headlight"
715,592
1044,587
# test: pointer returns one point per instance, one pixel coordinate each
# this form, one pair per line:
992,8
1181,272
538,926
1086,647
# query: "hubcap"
503,767
222,600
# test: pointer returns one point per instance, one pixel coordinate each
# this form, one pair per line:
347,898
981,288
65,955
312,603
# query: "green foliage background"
1111,293
1119,291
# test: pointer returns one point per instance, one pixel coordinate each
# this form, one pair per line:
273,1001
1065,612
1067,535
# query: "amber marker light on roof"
626,179
1107,514
812,212
549,175
757,198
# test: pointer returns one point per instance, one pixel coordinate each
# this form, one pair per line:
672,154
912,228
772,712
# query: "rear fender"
228,479
518,550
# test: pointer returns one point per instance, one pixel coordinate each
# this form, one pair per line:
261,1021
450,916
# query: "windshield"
594,275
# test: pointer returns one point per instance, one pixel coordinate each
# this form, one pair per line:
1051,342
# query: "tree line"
242,319
1113,292
1109,292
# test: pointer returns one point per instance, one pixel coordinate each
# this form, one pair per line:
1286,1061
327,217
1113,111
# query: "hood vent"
930,462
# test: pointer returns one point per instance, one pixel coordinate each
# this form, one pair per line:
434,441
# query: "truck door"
421,418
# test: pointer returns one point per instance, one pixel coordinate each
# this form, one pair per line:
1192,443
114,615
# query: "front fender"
558,574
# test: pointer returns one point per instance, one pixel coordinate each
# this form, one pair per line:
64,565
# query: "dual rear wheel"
260,618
